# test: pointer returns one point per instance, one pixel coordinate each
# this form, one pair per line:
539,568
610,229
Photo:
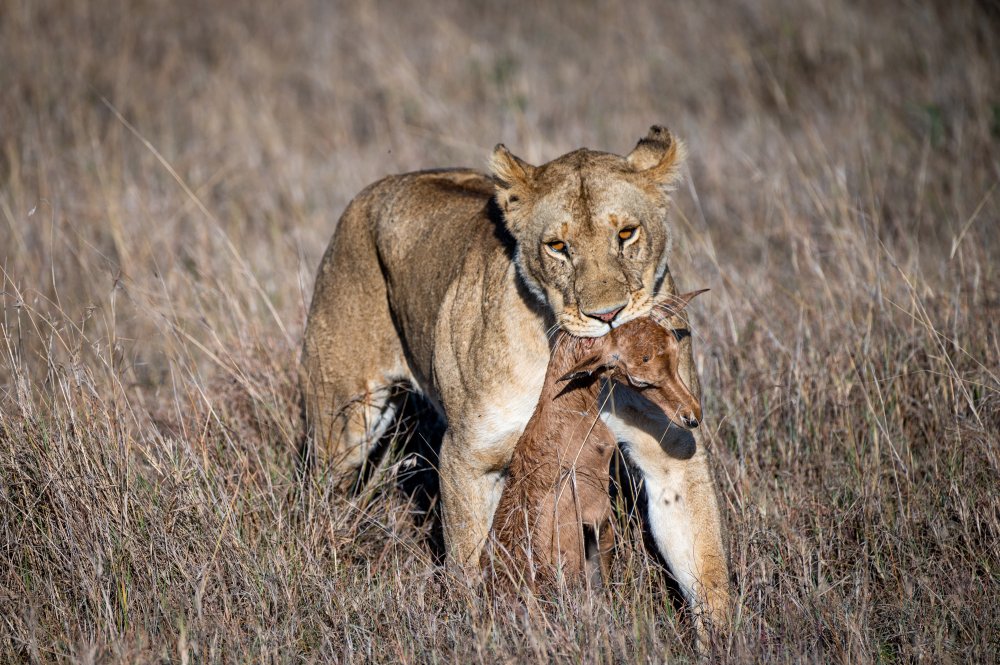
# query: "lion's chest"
504,410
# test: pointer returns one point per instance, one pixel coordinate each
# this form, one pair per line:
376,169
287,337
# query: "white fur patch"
574,326
670,522
500,423
668,511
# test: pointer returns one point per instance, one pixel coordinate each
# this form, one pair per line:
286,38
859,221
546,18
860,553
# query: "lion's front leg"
682,508
684,519
472,481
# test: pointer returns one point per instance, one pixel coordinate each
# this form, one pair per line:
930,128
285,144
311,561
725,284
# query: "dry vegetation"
170,173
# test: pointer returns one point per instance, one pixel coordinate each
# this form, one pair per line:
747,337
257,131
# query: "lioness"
451,283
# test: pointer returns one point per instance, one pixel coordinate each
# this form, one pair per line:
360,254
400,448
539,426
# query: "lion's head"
591,228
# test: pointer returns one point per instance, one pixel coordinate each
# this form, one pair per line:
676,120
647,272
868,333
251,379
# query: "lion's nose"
607,314
689,420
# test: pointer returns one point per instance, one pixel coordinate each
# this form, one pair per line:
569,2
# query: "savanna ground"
171,171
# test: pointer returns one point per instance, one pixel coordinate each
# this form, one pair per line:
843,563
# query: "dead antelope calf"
554,514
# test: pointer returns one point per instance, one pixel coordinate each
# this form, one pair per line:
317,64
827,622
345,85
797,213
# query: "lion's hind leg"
344,431
353,365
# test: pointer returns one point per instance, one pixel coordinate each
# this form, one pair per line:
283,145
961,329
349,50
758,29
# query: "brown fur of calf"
555,514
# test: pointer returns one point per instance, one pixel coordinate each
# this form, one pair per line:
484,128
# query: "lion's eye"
627,233
557,246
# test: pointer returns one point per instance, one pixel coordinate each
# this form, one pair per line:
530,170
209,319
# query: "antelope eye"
626,233
557,246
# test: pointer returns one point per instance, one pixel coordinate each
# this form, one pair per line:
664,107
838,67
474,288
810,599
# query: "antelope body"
554,514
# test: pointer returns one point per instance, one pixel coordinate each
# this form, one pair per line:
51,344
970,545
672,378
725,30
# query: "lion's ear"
513,176
659,156
585,368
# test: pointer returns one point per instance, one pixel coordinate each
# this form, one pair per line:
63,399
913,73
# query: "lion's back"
423,209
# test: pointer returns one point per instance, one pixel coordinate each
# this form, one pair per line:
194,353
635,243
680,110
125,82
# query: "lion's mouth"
629,314
577,325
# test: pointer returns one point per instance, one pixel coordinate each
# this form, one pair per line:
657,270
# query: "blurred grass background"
170,173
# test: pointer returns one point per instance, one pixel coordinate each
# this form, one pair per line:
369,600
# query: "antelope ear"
513,177
659,156
586,367
673,305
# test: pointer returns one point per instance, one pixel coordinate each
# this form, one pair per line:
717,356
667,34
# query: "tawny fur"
445,282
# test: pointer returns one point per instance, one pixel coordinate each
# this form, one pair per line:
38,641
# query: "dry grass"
841,204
